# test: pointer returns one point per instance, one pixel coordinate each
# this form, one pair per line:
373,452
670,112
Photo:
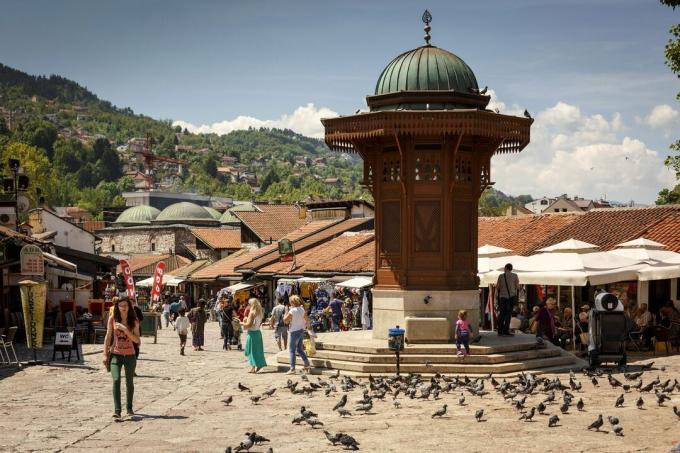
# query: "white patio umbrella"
574,263
660,264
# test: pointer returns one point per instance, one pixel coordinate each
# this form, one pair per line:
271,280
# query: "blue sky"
592,72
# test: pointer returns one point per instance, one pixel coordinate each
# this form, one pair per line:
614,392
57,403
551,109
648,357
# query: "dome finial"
427,18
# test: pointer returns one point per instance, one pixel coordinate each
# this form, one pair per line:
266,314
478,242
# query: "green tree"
40,134
672,53
69,155
270,178
36,166
109,165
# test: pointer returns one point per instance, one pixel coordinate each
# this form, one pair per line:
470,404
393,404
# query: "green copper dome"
213,212
138,215
426,68
229,217
185,212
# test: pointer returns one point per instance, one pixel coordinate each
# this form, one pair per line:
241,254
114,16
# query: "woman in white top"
296,318
254,347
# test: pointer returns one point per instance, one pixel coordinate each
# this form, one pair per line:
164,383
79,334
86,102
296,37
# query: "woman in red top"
121,334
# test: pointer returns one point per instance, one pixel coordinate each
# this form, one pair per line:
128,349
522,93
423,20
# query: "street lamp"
17,183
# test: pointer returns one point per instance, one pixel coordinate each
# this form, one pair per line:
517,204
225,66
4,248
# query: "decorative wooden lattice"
427,167
485,176
463,169
391,168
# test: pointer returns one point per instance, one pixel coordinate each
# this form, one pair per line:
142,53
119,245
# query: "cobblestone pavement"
179,408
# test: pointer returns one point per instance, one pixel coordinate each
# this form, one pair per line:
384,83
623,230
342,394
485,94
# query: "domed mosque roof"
185,212
138,215
413,76
213,212
229,217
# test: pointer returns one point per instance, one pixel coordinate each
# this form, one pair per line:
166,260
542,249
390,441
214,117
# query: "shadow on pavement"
139,416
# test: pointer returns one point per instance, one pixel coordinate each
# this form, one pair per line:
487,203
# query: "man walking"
507,288
280,328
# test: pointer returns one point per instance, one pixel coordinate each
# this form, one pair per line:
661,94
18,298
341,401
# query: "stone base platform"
358,353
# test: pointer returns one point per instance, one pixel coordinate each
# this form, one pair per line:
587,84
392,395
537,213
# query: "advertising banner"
157,282
129,280
33,300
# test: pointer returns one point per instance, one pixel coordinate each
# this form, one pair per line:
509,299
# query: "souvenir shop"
317,293
243,291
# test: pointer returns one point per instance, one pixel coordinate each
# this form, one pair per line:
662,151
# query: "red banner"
129,281
157,281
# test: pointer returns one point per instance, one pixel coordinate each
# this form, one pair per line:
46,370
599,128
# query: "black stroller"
607,331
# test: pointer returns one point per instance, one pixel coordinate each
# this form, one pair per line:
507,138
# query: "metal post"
16,198
398,361
573,321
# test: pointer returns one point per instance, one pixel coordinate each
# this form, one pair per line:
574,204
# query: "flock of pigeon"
551,392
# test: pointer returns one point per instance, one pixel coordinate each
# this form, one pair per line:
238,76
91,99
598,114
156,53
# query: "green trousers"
118,362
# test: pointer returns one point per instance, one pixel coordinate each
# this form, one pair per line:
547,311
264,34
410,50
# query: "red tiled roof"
326,254
522,234
311,235
610,226
359,259
142,265
272,221
666,232
225,267
219,238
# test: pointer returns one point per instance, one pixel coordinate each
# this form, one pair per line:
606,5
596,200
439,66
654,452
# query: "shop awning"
659,272
59,261
61,272
356,282
311,280
244,285
168,280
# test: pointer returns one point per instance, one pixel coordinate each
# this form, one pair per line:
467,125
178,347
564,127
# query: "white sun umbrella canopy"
491,258
648,251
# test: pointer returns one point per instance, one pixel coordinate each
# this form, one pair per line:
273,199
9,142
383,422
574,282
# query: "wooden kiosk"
427,144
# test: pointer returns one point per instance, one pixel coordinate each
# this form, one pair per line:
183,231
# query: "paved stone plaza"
178,402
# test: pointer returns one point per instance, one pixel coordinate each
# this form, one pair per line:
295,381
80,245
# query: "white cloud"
304,120
584,155
662,117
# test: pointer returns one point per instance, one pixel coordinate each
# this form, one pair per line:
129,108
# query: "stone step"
450,358
566,360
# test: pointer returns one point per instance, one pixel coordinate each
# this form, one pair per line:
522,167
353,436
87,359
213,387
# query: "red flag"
157,281
129,280
490,303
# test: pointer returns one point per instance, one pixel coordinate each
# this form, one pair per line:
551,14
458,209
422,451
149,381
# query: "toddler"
463,333
182,326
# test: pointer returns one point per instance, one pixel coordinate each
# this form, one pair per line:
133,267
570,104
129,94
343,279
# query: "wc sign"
129,280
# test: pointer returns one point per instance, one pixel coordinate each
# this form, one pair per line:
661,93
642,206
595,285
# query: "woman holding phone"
122,334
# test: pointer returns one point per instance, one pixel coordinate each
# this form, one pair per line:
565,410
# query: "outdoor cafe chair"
8,341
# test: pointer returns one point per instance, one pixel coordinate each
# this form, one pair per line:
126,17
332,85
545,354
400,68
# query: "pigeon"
541,408
269,393
343,412
553,421
594,381
364,407
307,413
619,401
313,422
618,430
479,414
639,403
332,438
661,397
227,401
648,387
613,420
441,412
461,400
245,445
647,366
580,404
396,404
348,442
527,416
597,424
633,376
227,450
341,403
676,411
243,388
484,90
613,381
527,114
255,399
256,438
335,375
299,419
564,408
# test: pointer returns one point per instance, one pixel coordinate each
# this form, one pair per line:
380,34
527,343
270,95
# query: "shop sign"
32,262
63,339
286,250
33,298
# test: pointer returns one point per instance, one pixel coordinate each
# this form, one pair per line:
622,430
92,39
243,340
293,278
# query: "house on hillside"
539,205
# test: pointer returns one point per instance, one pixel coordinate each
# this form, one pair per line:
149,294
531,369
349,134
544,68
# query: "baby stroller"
607,331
